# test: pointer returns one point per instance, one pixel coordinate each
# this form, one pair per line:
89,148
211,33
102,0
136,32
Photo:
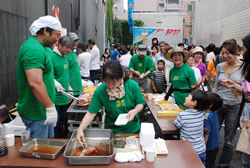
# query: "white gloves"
51,116
58,86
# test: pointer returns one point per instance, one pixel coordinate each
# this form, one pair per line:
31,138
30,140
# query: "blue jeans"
228,114
202,156
38,129
245,160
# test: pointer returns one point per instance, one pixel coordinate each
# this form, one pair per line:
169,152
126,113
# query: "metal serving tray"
45,142
94,137
77,109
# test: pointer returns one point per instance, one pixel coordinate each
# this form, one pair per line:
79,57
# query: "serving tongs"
68,95
77,91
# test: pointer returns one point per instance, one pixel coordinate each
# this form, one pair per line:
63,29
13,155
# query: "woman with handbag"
228,86
243,143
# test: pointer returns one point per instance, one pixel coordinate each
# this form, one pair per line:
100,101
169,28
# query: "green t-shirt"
75,78
141,64
61,73
181,78
33,55
113,108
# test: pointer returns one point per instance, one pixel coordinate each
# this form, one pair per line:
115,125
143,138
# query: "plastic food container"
147,134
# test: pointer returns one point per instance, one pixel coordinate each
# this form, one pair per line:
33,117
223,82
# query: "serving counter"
165,122
180,155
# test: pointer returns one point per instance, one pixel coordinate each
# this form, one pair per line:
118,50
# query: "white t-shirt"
125,59
95,58
197,74
84,63
210,56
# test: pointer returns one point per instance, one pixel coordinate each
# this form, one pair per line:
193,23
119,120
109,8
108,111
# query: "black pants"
211,157
93,75
61,129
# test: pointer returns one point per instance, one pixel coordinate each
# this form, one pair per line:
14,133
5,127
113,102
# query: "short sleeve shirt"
211,122
61,73
114,53
75,79
141,64
202,68
181,78
211,68
133,96
33,54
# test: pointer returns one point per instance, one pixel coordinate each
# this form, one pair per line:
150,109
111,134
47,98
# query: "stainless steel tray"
77,109
94,137
46,142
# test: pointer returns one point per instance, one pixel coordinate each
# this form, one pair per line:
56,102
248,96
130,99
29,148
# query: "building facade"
86,18
216,21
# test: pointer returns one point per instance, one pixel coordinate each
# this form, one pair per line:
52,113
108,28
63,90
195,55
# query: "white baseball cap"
45,21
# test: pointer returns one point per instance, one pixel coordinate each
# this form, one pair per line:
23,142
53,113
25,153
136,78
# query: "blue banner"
140,33
130,15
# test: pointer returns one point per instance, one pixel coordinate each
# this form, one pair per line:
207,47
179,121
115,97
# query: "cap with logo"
142,50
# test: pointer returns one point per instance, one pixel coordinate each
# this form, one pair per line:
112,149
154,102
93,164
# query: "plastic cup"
10,139
25,135
150,154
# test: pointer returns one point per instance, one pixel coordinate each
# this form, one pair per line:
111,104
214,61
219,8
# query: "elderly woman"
181,76
227,85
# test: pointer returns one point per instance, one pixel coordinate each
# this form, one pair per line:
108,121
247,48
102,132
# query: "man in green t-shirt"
35,78
61,73
141,66
75,78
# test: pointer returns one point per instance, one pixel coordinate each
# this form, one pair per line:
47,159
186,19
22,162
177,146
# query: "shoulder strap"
234,90
215,64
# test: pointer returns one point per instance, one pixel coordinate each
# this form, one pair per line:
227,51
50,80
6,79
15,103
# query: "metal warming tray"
58,146
94,137
77,109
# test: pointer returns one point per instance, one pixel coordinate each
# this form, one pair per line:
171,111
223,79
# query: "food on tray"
44,149
169,107
87,152
91,151
85,99
120,142
168,113
90,89
164,102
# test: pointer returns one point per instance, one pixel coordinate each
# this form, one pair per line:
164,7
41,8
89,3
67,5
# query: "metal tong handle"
68,95
85,145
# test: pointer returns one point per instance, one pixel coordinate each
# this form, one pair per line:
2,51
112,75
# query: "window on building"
190,8
172,1
161,5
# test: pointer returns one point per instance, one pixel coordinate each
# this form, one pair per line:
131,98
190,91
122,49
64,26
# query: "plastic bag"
245,116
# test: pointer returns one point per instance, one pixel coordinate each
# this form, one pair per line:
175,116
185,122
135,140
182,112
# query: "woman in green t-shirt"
119,95
181,76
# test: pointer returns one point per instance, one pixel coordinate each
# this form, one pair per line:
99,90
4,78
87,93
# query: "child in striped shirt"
191,122
158,78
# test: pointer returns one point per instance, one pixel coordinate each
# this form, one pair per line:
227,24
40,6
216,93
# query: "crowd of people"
205,82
